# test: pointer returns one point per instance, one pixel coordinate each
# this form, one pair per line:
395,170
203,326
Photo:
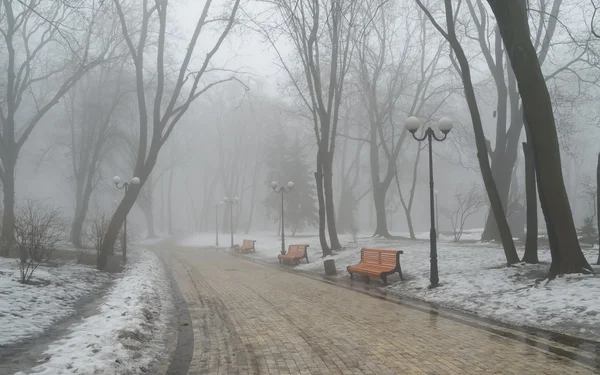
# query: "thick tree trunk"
381,228
598,204
118,218
531,245
379,190
8,215
567,256
329,202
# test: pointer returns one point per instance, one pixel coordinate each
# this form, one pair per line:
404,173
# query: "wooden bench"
247,247
378,263
295,253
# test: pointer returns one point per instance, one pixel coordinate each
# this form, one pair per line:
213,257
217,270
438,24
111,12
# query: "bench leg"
400,272
384,278
350,275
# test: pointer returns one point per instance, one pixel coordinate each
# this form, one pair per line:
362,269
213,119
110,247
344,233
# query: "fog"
241,133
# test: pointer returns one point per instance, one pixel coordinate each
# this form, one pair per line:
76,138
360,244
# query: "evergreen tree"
286,161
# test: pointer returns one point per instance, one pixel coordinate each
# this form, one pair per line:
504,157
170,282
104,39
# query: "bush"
39,227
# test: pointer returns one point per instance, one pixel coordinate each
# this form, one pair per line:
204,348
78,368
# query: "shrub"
39,227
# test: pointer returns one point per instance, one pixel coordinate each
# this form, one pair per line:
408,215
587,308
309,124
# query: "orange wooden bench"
247,247
378,263
295,253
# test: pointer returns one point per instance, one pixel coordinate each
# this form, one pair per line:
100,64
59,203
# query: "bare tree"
461,64
321,32
509,111
468,201
397,63
512,19
159,116
92,108
33,35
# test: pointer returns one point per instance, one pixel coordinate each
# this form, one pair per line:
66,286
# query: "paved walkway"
252,319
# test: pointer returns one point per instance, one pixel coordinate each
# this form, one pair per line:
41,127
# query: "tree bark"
531,239
8,215
321,199
567,256
381,228
329,202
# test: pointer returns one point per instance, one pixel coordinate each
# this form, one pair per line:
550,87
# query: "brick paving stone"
252,319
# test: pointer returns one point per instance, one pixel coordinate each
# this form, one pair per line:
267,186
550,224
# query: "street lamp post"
125,185
217,206
231,203
280,189
444,125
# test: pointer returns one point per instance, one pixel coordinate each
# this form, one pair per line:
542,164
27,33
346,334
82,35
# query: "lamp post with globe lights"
125,185
281,189
231,203
444,125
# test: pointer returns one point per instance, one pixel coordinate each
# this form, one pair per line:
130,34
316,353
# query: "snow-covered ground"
128,332
27,310
473,277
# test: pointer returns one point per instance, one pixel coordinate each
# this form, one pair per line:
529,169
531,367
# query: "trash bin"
329,267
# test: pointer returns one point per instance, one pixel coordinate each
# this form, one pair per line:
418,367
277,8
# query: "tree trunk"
567,256
329,202
321,199
8,218
531,246
598,204
381,228
379,191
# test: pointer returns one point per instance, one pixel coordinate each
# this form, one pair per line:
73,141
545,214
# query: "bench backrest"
248,244
297,250
380,257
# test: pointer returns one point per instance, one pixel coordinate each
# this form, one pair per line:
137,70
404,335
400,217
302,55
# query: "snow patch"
27,310
129,331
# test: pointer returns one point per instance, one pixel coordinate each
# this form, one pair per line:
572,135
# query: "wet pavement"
247,318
